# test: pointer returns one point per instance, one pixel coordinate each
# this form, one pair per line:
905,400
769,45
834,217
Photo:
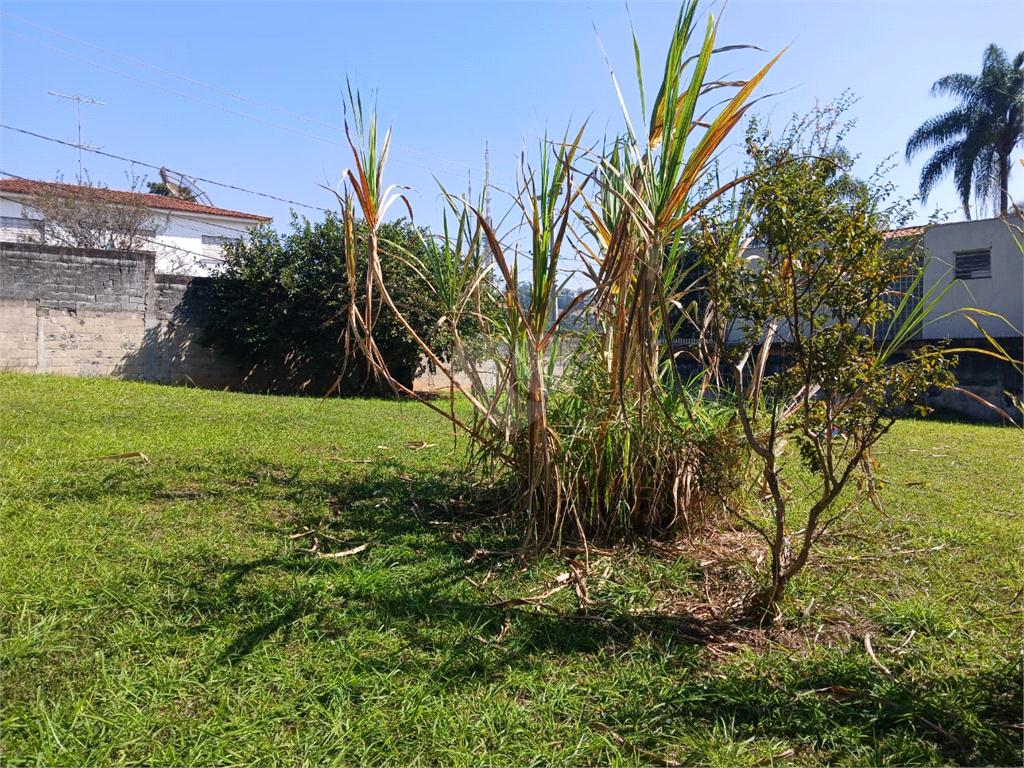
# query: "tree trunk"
1004,182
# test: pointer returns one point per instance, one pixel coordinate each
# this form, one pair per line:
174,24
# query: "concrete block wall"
76,278
82,312
90,342
181,309
19,330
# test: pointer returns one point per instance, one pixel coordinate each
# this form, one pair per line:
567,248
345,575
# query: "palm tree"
975,139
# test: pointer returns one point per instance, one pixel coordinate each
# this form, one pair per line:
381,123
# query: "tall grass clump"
595,429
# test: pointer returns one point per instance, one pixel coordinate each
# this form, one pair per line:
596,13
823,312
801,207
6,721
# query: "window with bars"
21,229
904,295
213,245
973,265
905,288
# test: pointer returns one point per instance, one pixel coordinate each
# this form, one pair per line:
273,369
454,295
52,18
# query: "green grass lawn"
165,613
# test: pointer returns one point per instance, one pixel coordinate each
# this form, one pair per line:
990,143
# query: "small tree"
817,291
280,304
90,215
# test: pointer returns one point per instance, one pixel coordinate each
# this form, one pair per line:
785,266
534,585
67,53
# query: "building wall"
1000,296
82,312
184,243
187,243
1002,293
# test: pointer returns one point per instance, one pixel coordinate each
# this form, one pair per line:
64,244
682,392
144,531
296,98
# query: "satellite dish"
184,188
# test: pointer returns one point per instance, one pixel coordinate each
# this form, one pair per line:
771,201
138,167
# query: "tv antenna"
80,145
487,180
184,188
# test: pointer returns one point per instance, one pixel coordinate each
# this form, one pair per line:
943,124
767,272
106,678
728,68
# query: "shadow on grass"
945,416
415,579
405,606
965,717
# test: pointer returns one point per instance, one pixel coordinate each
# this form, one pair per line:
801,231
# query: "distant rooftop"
27,187
905,232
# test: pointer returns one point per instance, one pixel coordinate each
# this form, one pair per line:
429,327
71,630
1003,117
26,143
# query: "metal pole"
79,140
80,145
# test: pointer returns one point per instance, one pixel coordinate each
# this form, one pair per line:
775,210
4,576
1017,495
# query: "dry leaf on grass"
122,456
417,445
874,658
347,552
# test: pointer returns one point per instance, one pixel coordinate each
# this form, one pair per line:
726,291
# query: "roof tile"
27,187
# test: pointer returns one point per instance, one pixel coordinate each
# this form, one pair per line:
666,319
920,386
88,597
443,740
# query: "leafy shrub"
279,303
818,288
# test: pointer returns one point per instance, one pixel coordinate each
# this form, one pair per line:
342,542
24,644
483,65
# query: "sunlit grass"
161,614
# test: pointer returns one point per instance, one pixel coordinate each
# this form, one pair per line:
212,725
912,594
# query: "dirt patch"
711,608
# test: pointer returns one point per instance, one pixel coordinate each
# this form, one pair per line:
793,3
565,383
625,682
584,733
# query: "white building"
978,269
187,237
984,262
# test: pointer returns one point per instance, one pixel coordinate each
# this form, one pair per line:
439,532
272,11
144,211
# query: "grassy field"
169,612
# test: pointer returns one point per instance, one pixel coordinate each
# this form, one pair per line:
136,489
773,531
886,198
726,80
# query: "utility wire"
213,105
215,88
168,73
172,91
157,167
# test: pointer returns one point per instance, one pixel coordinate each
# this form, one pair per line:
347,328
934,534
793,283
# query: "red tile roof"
905,232
27,187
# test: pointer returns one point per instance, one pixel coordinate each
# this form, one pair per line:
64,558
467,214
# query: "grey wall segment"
84,312
67,278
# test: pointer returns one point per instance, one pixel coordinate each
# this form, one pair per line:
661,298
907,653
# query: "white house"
978,269
186,236
983,261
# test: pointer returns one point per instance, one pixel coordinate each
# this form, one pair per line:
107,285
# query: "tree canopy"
974,141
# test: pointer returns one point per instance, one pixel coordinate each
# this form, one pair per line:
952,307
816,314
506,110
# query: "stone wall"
81,312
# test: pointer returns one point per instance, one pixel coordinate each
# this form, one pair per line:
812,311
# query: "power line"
213,87
224,109
170,74
172,91
157,167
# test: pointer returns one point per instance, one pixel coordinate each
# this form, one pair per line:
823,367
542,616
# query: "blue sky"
451,77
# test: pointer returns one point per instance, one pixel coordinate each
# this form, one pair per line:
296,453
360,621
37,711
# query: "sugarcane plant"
614,444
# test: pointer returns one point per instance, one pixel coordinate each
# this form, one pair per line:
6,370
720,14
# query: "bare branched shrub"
90,215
